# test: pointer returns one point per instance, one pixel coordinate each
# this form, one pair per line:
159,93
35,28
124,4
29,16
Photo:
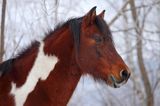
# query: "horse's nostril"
124,74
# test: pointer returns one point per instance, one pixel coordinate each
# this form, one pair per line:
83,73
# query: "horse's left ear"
90,17
102,14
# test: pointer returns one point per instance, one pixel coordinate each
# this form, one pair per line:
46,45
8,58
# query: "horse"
47,72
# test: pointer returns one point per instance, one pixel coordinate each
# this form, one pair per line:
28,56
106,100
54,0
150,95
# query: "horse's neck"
59,43
63,80
59,86
52,46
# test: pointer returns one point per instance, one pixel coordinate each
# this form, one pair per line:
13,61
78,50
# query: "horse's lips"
114,82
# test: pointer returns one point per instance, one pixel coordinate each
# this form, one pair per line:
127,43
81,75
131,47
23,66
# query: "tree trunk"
129,58
2,30
138,29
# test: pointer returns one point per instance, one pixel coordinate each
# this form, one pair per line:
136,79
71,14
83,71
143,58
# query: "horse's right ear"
102,14
89,18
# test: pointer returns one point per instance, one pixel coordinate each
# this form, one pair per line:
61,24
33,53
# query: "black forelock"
103,27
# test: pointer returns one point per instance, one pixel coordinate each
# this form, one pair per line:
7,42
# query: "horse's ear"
89,18
102,14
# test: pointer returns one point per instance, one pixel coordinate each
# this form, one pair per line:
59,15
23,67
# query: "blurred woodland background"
135,26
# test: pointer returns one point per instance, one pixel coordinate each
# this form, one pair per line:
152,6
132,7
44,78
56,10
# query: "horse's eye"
98,39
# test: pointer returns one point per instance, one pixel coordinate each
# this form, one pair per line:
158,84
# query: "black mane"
75,26
5,67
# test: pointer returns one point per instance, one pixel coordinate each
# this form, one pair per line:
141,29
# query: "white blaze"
41,69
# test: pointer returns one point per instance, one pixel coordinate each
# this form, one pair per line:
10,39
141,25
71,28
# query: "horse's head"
96,52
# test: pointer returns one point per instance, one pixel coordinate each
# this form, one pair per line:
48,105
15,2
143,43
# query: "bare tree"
139,32
2,29
129,56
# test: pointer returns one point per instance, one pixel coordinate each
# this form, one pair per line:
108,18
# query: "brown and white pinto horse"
46,74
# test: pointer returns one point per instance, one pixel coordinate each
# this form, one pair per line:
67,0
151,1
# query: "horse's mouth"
115,83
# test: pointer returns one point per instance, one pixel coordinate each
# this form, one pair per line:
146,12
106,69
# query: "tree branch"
118,14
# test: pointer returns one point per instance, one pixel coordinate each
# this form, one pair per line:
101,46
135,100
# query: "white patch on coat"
41,69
